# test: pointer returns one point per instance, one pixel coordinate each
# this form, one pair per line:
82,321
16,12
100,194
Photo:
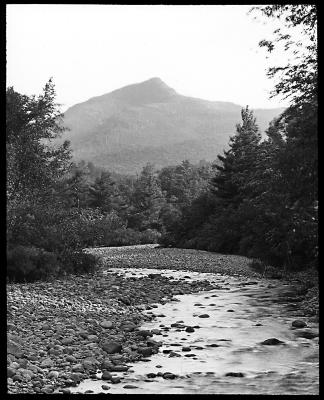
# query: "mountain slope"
151,122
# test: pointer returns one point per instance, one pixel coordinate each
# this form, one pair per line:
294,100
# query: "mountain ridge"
151,115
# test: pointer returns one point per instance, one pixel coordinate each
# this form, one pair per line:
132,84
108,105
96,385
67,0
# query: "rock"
77,368
186,349
89,363
169,375
190,329
145,334
115,379
272,342
70,358
156,331
93,338
153,343
145,351
68,350
106,376
106,324
204,316
47,389
307,334
76,377
174,354
105,387
14,349
53,375
17,377
230,310
10,372
67,341
89,391
111,347
151,375
107,364
130,387
298,324
119,368
47,363
65,391
128,327
235,374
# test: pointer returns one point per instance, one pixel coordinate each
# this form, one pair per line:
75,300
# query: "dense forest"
259,198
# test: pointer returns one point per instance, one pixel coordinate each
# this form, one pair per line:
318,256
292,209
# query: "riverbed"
223,351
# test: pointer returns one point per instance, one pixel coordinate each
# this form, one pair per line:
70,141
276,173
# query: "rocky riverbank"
63,331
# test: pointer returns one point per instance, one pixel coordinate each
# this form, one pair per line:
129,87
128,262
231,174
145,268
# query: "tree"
297,79
102,192
231,183
75,187
147,200
34,164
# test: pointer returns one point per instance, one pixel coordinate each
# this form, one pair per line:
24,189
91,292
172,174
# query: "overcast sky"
210,52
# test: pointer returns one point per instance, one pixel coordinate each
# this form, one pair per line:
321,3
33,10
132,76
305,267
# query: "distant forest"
259,199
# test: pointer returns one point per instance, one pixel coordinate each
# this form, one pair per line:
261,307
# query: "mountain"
151,122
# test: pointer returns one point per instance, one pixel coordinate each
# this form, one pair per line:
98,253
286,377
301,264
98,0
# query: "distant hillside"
150,122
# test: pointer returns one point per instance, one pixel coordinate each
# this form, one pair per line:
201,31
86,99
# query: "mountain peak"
153,90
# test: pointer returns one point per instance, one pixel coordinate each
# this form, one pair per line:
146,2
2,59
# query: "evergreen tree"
231,183
147,200
102,192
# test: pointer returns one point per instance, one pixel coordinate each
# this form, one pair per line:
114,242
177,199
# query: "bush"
26,264
77,262
150,236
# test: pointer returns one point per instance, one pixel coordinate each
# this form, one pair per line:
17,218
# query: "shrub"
150,236
73,262
26,264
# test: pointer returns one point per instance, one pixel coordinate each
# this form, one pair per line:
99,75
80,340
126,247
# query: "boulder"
111,347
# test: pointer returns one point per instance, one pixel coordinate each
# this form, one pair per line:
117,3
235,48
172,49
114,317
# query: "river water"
242,314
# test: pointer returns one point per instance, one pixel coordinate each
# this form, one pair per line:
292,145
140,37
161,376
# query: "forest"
258,199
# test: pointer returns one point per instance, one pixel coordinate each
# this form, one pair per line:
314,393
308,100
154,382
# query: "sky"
210,52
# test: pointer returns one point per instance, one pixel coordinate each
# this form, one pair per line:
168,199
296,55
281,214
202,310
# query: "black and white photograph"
162,199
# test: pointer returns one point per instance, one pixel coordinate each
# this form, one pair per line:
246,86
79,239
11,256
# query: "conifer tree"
147,200
101,193
230,184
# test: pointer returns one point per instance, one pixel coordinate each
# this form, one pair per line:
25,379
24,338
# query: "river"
225,355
